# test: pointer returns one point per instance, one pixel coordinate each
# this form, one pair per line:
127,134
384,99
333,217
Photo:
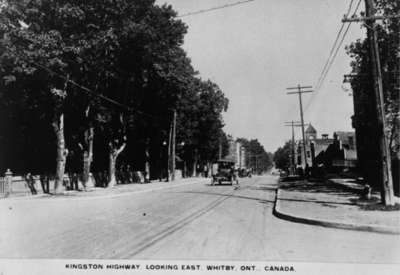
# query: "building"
346,142
314,147
236,153
338,152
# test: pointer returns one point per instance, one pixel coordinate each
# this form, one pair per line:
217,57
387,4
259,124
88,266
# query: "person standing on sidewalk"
31,183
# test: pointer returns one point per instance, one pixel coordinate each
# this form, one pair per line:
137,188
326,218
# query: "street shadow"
325,203
229,195
318,187
352,197
260,188
374,204
221,184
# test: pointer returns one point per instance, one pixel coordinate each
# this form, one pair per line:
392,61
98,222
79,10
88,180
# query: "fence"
2,186
20,186
6,184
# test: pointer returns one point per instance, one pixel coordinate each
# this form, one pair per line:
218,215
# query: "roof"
311,129
344,136
323,141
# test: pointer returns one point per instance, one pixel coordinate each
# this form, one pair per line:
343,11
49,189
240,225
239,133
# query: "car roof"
226,161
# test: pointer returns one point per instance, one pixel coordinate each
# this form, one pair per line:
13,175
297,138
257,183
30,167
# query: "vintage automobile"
243,173
224,171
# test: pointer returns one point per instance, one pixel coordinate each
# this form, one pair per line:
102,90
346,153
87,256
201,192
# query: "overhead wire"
334,44
90,91
337,49
93,93
332,54
215,8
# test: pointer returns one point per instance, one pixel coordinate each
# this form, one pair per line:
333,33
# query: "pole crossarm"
368,18
297,125
293,122
289,93
299,87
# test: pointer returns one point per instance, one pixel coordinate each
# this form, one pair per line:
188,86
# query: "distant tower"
311,133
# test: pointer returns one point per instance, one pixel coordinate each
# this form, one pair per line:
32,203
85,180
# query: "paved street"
194,221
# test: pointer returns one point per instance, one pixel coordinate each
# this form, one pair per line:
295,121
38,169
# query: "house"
347,146
335,153
314,147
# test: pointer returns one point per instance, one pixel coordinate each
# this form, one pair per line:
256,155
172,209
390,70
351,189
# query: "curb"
326,223
77,198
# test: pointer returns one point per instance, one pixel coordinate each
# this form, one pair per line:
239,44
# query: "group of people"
44,182
125,174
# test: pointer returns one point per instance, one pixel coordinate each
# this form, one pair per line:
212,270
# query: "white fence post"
8,182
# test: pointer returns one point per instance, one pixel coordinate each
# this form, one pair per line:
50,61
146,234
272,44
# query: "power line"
90,91
68,80
334,45
333,54
215,8
337,49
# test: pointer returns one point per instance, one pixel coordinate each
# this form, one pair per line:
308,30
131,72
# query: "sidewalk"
116,191
335,203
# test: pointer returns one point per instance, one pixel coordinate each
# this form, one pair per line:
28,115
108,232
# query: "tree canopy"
117,67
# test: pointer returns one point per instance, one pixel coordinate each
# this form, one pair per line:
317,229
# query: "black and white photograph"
199,137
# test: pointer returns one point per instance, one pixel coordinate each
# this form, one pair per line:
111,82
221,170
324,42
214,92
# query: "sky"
256,50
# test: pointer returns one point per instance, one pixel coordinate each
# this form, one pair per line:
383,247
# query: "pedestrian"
307,171
205,169
45,182
75,181
30,181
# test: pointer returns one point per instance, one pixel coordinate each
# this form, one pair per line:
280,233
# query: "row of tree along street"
364,80
94,85
256,158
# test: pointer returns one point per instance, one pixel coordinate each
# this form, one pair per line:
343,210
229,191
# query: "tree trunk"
62,152
113,155
111,169
194,173
147,163
87,155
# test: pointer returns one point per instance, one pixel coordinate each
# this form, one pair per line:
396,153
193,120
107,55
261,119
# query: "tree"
282,157
101,74
364,120
35,56
255,155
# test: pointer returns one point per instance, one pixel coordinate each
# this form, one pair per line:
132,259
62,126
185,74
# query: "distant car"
224,171
245,173
283,174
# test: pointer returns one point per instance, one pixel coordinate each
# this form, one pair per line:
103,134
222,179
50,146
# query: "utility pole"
397,118
169,151
173,146
292,159
300,91
219,149
387,194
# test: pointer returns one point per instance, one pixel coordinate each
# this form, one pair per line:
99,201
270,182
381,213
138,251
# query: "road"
195,221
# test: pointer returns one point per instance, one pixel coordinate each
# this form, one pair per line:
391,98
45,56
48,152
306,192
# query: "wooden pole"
173,147
169,152
300,92
387,194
